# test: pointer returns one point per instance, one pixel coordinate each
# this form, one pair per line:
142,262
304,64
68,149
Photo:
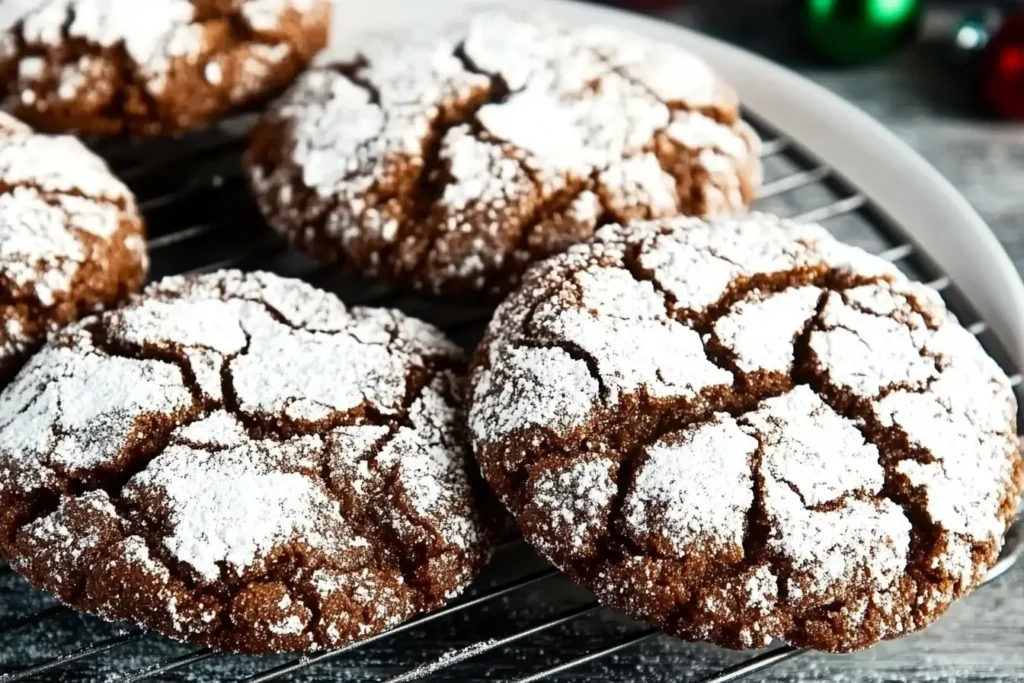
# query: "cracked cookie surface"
450,162
71,238
742,429
240,461
106,67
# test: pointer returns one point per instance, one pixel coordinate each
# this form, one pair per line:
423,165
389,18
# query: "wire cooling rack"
200,219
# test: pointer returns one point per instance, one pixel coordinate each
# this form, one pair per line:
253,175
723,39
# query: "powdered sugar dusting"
68,407
154,34
481,172
151,33
762,589
812,456
207,323
219,429
575,501
807,445
761,331
54,532
857,465
700,132
639,186
292,625
501,115
37,249
41,230
277,423
959,483
283,373
622,325
334,118
729,250
207,366
530,387
62,215
832,546
866,352
659,66
242,507
694,488
266,15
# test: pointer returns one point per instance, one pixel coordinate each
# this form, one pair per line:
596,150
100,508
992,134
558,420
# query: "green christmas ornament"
850,32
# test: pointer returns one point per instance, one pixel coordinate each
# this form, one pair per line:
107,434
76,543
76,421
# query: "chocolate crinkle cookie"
71,238
742,429
150,67
242,462
448,163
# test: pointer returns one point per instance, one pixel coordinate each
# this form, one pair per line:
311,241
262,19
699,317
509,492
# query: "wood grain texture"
920,96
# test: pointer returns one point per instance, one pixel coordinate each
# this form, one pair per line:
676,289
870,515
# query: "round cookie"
71,238
742,429
449,163
242,462
105,67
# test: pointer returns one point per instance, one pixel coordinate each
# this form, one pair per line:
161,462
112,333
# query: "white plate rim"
889,172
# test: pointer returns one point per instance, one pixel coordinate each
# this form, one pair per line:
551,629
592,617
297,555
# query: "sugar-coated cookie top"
150,67
455,158
154,32
64,220
222,422
781,428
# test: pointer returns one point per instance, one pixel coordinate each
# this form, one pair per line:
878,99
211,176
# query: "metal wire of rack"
200,219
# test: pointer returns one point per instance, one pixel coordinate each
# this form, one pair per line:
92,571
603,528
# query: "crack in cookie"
450,162
741,429
240,461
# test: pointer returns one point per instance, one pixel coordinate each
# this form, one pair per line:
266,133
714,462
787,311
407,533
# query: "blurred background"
947,77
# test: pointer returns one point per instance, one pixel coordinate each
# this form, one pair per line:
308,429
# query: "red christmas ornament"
1002,68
